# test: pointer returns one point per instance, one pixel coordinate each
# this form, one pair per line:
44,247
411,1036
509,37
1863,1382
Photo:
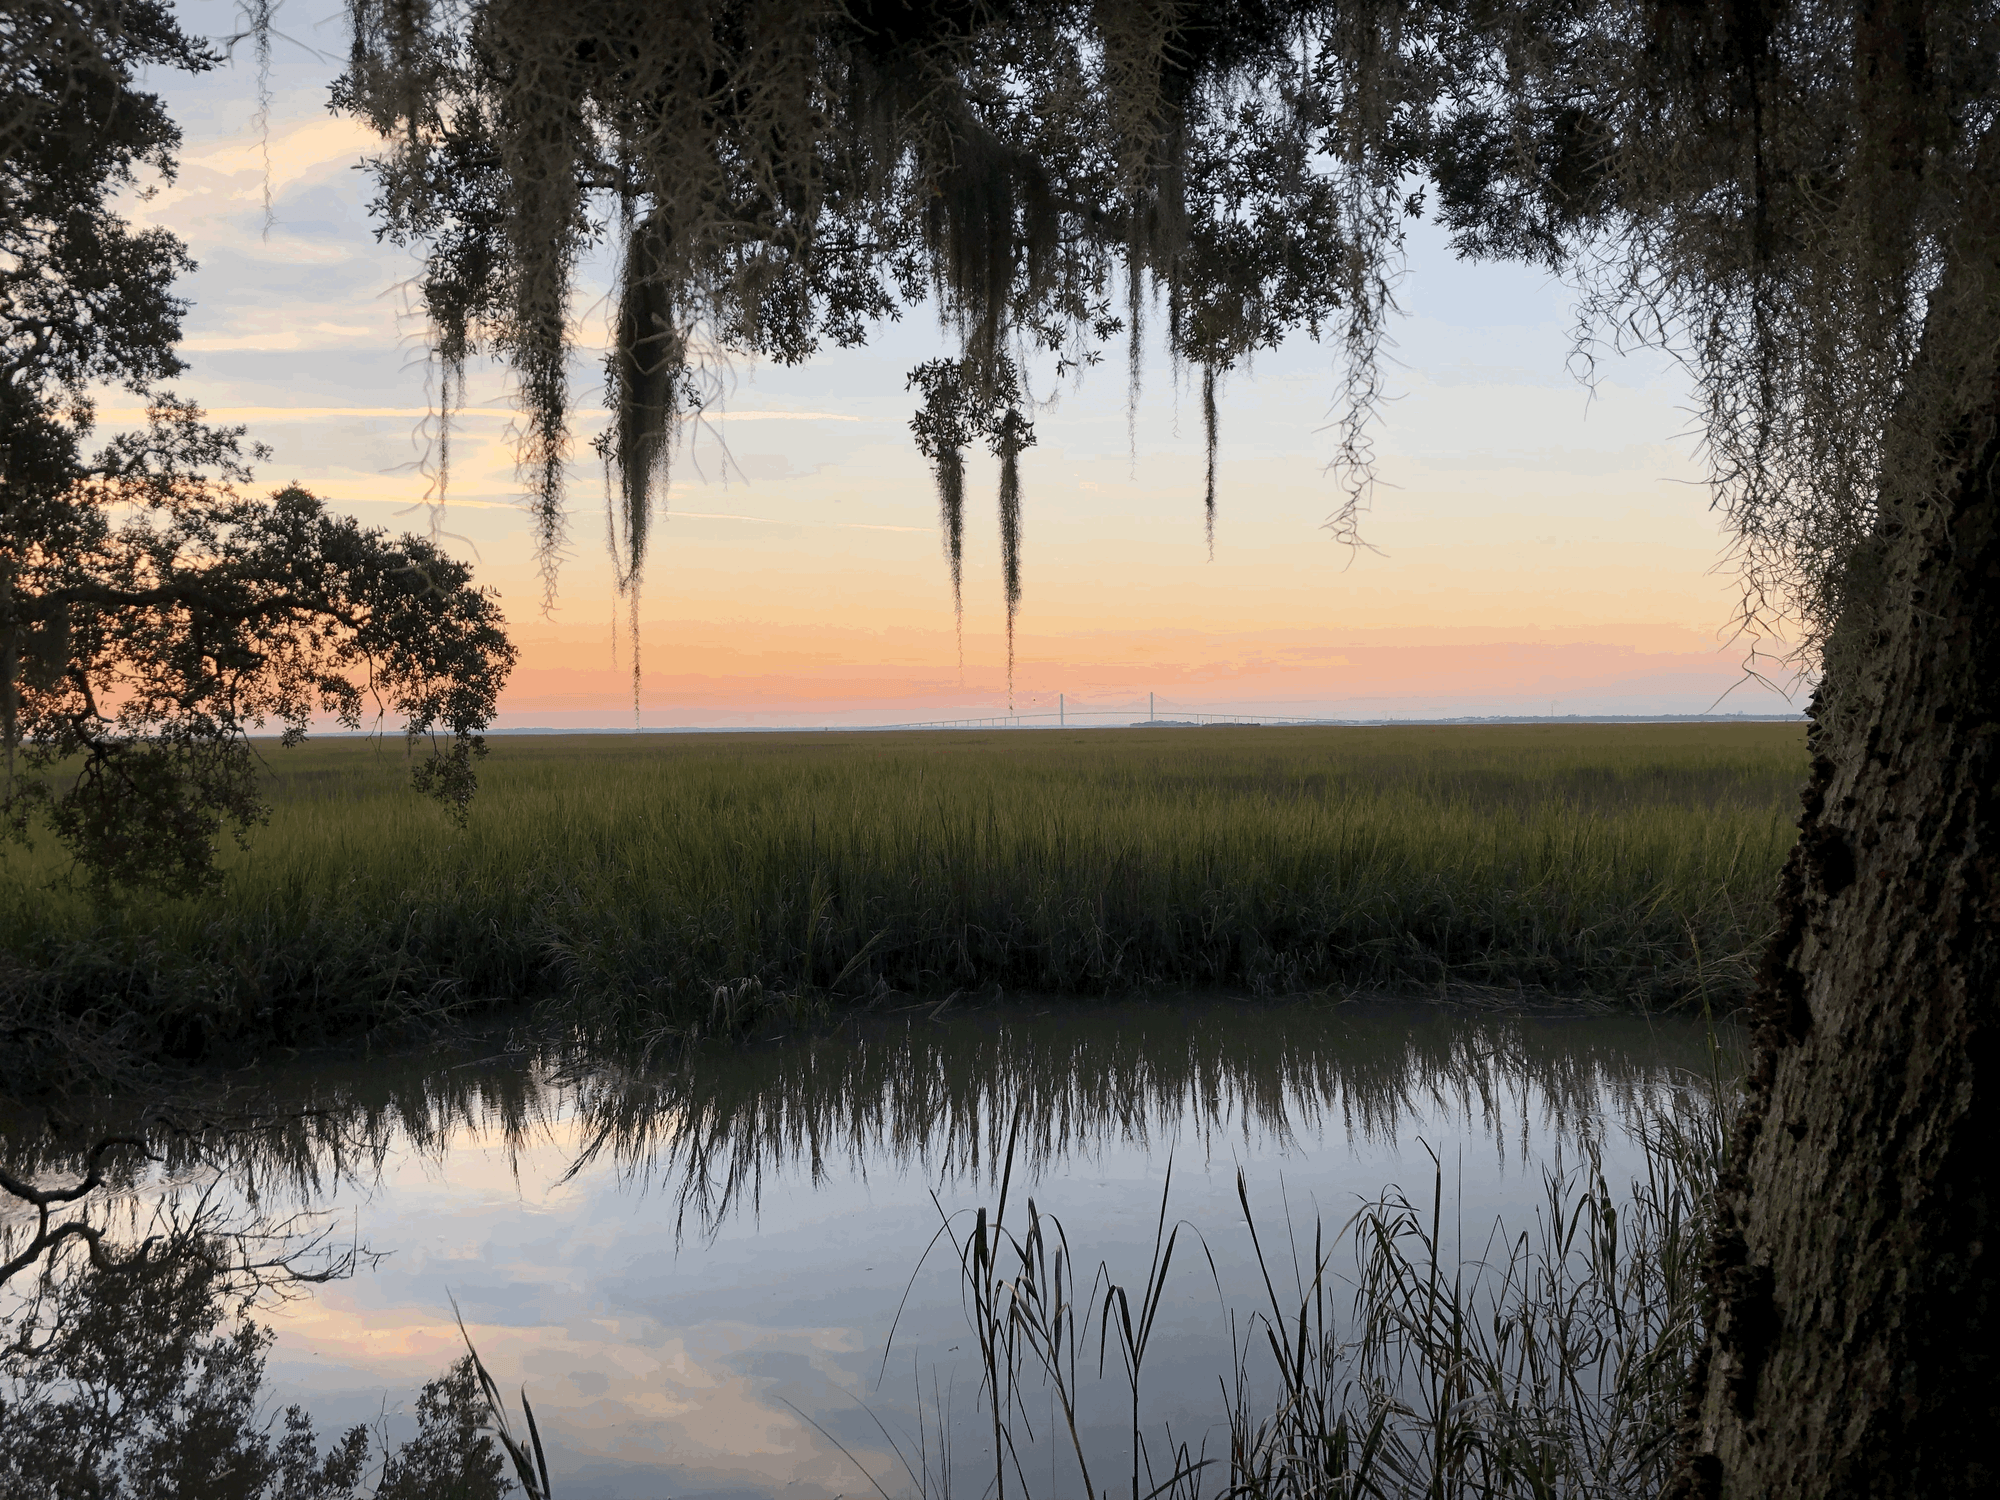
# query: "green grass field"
675,884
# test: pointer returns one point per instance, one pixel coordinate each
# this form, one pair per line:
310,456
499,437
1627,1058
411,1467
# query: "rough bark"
1852,1330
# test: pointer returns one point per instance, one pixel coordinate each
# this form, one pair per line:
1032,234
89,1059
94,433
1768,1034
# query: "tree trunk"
1852,1283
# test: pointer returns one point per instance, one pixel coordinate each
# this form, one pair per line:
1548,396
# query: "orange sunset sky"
1538,545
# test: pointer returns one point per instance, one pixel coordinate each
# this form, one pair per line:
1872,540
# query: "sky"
1536,545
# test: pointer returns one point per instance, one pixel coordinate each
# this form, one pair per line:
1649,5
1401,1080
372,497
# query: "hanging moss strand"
1208,436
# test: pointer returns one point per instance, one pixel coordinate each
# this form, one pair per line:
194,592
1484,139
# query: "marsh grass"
661,888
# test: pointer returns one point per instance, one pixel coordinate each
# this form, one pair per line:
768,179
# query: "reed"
666,887
1548,1362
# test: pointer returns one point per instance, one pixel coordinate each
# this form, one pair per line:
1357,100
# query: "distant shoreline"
1112,721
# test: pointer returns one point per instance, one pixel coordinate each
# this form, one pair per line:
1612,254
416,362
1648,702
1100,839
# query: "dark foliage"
139,1382
150,615
778,177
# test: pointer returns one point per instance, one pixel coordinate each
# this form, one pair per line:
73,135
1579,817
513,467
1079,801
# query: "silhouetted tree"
150,615
138,1381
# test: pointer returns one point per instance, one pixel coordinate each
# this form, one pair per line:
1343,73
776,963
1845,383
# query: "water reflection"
942,1099
668,1258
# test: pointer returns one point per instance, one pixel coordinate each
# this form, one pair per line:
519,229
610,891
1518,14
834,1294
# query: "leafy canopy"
150,614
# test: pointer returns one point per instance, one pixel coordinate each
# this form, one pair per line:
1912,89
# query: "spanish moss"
259,18
450,396
644,372
632,622
950,470
786,175
1208,434
1013,436
1135,355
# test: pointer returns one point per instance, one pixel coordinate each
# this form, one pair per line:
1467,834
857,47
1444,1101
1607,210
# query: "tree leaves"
187,628
152,616
783,175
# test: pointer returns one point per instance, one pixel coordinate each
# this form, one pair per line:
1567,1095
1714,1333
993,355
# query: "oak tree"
152,614
1800,199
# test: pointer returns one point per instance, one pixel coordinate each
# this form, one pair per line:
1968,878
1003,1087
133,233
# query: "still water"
740,1276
